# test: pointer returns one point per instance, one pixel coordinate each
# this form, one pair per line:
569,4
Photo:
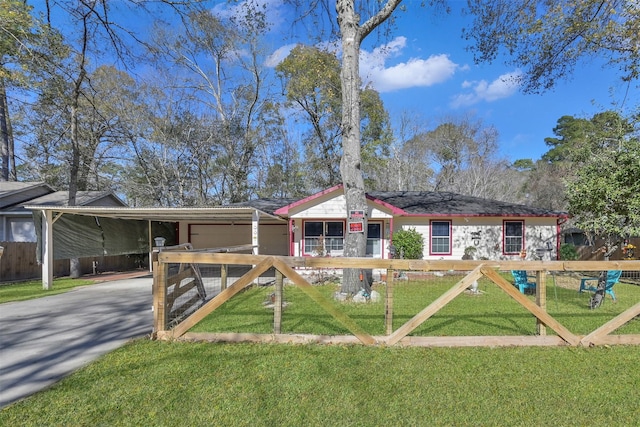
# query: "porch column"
47,249
255,241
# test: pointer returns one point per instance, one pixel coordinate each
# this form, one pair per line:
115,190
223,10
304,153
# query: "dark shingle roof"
443,203
267,205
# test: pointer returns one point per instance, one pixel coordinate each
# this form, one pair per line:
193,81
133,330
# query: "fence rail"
290,268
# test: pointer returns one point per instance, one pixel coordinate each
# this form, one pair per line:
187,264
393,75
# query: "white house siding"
332,208
538,231
336,209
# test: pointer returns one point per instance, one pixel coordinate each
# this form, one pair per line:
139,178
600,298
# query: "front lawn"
33,289
185,383
491,312
192,384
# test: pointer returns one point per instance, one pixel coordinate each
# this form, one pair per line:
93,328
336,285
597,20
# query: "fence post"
223,277
160,272
541,298
277,307
388,313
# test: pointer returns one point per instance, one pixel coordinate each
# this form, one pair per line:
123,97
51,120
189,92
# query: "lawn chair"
522,280
613,276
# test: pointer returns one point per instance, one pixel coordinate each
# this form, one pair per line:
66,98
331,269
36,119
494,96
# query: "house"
316,225
16,222
449,223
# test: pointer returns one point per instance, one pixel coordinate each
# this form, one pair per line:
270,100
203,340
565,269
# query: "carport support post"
47,249
255,219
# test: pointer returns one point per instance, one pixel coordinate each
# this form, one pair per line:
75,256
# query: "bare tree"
219,62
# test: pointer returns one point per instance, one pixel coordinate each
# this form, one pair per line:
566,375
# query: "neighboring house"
16,222
448,222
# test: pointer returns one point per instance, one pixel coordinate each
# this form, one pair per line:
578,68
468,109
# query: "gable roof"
430,203
266,205
61,198
13,192
435,203
83,198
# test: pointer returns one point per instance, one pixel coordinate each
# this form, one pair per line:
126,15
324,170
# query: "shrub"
409,243
568,252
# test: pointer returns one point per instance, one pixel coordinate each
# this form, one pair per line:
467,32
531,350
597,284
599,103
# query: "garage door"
272,237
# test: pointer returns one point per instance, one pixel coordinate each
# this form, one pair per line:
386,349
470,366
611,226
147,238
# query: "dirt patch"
567,280
109,276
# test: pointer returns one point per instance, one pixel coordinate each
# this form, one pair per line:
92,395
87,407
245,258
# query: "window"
513,232
374,233
21,230
441,237
322,237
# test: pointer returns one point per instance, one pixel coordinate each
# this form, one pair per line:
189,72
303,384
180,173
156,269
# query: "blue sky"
424,69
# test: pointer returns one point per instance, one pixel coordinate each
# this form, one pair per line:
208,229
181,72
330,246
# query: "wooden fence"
288,267
19,262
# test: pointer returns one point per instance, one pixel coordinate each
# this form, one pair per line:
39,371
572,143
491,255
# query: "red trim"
446,215
401,212
390,234
394,210
524,245
292,236
285,209
431,253
558,234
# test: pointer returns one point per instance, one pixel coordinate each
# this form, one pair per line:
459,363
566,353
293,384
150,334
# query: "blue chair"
522,280
613,276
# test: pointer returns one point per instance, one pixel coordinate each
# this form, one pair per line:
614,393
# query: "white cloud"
279,55
415,72
502,87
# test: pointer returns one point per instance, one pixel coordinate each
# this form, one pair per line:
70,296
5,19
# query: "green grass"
493,312
33,289
179,384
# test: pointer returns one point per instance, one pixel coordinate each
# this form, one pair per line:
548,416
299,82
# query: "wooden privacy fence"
19,263
169,285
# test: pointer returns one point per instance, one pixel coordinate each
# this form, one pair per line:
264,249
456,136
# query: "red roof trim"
285,209
496,215
394,209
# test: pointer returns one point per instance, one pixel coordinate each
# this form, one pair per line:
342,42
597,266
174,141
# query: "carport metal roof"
161,214
212,214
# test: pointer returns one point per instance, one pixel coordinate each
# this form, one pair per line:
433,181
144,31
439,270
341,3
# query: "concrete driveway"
45,339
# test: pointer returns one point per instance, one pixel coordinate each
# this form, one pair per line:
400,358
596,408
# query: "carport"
84,231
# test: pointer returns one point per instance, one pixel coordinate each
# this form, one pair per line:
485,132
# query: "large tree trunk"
354,243
74,168
7,169
352,34
74,264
